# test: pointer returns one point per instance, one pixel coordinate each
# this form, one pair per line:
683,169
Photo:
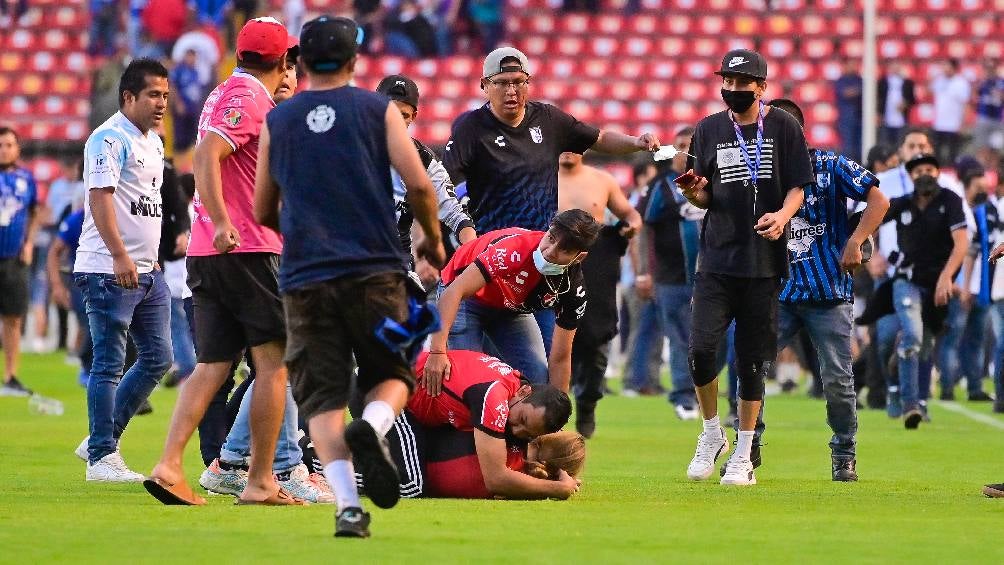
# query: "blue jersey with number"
18,196
819,231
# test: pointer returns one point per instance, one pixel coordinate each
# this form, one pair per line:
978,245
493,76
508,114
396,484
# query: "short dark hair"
911,131
134,78
686,130
557,406
789,106
575,230
640,168
6,130
252,61
970,176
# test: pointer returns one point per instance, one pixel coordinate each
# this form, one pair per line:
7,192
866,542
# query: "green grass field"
918,499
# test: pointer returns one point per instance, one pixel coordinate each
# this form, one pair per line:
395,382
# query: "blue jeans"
829,328
237,448
673,304
546,320
112,311
644,343
997,319
516,337
181,338
960,353
907,298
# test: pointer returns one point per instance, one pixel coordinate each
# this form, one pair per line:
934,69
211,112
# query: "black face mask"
738,100
926,185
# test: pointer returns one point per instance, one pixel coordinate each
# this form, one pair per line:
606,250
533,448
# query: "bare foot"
170,474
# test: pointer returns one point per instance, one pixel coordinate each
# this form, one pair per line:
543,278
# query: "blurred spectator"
487,18
164,20
213,12
65,294
408,33
177,193
989,129
294,13
18,221
205,42
896,98
190,89
134,24
951,92
105,89
368,14
66,193
442,14
881,158
104,27
6,17
849,88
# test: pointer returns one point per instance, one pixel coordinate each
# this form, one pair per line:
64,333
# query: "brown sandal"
280,498
178,494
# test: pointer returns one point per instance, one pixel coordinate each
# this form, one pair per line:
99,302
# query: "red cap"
264,36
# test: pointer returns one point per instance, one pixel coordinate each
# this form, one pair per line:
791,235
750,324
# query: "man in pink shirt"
232,270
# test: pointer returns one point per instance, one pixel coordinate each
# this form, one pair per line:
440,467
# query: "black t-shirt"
729,244
925,237
660,209
512,172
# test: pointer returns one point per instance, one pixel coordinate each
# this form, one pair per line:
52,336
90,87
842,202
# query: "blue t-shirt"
990,99
69,232
848,96
328,154
819,231
185,80
18,196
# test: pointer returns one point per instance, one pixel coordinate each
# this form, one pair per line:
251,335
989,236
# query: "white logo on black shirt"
801,235
536,135
321,118
732,166
500,141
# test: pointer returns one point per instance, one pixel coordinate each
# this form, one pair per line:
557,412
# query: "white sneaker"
327,493
219,481
112,469
739,471
300,485
686,412
81,450
709,449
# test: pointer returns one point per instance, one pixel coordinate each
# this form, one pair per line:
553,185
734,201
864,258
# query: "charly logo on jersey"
801,235
500,141
536,135
321,118
146,207
823,180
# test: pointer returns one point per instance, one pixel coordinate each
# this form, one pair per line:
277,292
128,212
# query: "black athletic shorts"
751,302
13,287
236,304
330,322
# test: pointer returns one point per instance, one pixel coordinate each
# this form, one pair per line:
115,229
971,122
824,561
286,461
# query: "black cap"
327,43
921,159
399,87
744,62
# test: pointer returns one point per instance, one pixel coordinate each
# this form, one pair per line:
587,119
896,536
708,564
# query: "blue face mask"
546,267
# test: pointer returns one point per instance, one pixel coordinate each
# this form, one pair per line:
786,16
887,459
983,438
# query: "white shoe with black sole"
739,471
709,448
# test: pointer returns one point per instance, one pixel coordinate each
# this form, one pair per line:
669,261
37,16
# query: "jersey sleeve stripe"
225,137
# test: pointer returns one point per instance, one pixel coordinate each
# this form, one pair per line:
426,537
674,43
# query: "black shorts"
751,302
13,287
236,304
332,321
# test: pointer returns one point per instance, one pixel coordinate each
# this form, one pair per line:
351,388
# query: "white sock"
380,415
712,425
342,478
744,444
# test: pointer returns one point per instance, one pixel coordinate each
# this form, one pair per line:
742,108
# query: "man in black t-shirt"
933,240
508,149
749,168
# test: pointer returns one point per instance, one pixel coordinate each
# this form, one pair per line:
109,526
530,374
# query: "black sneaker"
998,406
13,387
754,459
843,470
352,523
994,491
372,460
947,395
980,397
585,418
912,418
145,408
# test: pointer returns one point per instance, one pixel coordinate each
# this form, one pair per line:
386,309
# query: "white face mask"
546,267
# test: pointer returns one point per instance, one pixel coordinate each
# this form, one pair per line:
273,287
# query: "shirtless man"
595,191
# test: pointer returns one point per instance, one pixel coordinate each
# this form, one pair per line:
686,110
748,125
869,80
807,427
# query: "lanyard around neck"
753,165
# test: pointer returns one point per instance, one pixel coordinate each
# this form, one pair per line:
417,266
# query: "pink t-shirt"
235,111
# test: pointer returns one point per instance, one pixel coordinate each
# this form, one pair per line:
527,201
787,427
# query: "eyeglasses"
505,84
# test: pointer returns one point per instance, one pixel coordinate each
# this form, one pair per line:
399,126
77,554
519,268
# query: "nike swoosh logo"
735,63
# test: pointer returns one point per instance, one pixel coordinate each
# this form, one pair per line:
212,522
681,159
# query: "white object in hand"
668,152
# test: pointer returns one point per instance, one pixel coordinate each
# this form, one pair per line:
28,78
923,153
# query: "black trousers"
752,303
589,368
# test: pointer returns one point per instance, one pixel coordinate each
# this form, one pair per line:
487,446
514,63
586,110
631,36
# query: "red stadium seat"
914,26
648,111
672,47
553,90
608,24
14,106
822,135
886,26
959,49
693,90
41,131
390,66
582,110
891,48
700,69
948,26
441,109
991,49
603,46
535,45
461,67
560,67
707,47
54,105
613,110
823,112
656,92
637,47
662,69
679,25
713,25
55,39
779,25
65,83
853,48
11,61
799,70
574,24
428,68
22,40
625,90
811,25
542,23
632,69
570,46
817,48
904,5
596,68
980,27
810,92
81,108
926,49
643,25
588,90
30,84
746,25
685,112
848,26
